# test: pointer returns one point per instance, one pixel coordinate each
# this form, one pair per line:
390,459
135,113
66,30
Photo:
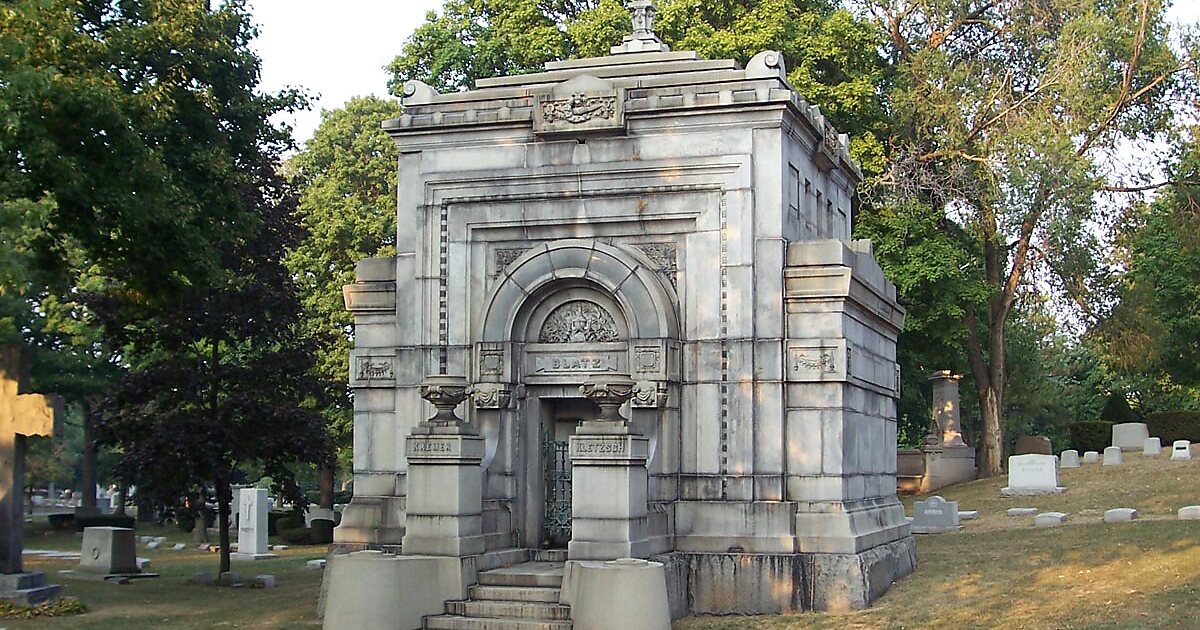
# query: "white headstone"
935,515
252,524
1181,451
1091,457
1049,519
1069,459
1032,474
1112,456
968,515
1152,446
315,565
1130,436
1120,515
1189,513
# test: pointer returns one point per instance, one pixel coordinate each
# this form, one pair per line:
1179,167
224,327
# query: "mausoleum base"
757,584
375,591
372,520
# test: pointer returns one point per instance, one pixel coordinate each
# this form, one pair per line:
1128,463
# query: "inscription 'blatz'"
572,363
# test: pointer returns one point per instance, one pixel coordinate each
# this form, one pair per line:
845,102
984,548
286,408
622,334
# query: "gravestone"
1120,515
1091,457
1032,475
1189,513
1130,436
1069,459
1049,519
21,415
1152,446
1021,511
1034,445
109,552
935,515
1181,451
1112,456
252,525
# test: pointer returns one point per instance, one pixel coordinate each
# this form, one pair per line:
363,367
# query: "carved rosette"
649,395
609,392
446,392
491,396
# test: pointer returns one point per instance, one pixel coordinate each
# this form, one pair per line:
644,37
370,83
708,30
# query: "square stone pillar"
608,479
445,479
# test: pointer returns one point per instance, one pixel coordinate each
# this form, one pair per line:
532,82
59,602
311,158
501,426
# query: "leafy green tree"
1006,113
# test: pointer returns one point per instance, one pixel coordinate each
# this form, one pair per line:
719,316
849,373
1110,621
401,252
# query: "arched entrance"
564,311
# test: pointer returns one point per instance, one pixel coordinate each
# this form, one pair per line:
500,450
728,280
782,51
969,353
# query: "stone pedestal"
608,496
252,525
445,481
108,551
625,593
945,407
445,495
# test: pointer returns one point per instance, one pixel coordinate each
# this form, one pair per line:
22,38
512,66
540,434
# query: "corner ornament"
491,396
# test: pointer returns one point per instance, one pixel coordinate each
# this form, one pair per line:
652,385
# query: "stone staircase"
518,597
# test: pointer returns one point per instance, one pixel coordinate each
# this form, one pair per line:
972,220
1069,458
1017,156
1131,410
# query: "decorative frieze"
579,321
491,396
578,109
649,395
505,257
374,371
665,259
818,360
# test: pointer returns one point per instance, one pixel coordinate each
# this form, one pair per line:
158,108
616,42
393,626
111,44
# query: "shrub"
62,520
1116,409
1174,425
1091,436
298,536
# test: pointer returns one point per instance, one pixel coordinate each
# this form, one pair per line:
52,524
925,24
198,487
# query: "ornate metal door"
556,520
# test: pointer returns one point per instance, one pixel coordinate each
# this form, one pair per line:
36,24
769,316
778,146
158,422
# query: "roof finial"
643,38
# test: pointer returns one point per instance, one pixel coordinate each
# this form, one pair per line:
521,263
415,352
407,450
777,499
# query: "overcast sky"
338,50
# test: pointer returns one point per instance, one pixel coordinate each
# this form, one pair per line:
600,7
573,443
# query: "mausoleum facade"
680,222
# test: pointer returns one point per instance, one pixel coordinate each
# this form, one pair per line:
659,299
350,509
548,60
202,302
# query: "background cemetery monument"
945,459
675,232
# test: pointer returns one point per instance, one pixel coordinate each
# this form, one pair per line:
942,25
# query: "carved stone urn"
609,391
446,392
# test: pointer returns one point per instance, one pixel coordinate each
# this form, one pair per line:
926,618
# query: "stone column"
945,407
608,478
445,481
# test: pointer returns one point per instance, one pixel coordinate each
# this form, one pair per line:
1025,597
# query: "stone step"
526,574
509,609
500,540
549,555
514,593
32,596
498,558
21,581
454,622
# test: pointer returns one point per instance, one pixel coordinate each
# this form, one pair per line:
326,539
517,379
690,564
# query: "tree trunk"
223,498
119,508
87,504
200,531
991,463
322,530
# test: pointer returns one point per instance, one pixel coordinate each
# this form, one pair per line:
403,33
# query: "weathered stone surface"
108,550
1091,457
968,515
1021,511
1032,475
1181,451
1113,456
1034,445
1152,446
626,593
1049,519
1130,436
1120,515
1069,459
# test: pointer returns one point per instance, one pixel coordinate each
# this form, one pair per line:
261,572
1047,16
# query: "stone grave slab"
1032,475
1152,446
968,515
935,515
1091,457
1189,513
1034,445
1181,451
1069,459
1130,436
1049,519
1021,511
1113,457
1120,515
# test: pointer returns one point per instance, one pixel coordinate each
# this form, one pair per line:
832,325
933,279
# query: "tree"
222,377
1006,114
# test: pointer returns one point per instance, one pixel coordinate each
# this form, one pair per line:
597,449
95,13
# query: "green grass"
998,572
169,602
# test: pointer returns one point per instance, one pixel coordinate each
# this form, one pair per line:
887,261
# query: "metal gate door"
556,521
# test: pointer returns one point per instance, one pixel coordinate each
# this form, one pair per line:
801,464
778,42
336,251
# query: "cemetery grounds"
997,572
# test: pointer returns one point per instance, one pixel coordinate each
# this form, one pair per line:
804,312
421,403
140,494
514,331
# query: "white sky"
337,50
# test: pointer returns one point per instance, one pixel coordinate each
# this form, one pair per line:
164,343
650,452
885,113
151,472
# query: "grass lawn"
998,572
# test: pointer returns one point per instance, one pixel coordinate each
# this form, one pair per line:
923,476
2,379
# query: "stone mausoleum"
637,273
